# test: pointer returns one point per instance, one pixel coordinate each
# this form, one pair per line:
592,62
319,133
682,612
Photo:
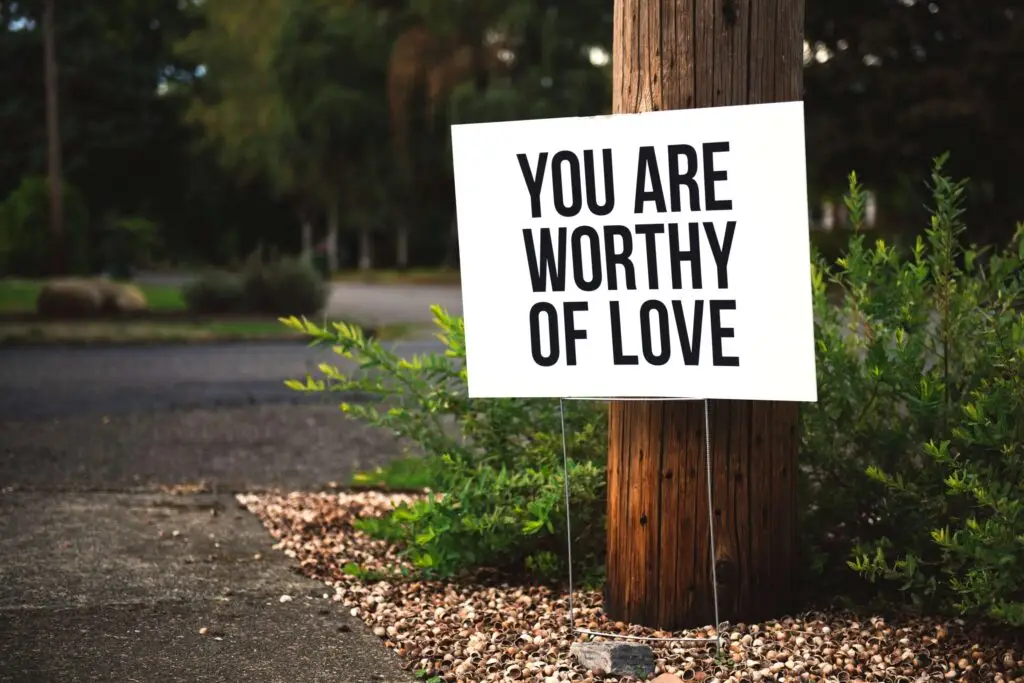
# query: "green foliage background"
226,124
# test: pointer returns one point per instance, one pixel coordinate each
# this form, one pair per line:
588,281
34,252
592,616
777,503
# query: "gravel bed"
488,630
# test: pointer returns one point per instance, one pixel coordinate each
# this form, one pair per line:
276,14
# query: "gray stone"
617,659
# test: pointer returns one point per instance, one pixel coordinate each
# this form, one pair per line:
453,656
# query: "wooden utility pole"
53,156
676,54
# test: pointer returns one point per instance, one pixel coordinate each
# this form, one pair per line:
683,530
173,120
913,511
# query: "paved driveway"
385,304
377,303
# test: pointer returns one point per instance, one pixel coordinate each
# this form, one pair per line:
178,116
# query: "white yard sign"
646,255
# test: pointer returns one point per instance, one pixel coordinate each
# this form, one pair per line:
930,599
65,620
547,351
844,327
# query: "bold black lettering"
609,182
575,184
619,358
534,181
677,255
544,267
594,258
649,230
711,176
677,179
721,251
572,335
647,165
646,333
718,333
690,342
614,257
552,316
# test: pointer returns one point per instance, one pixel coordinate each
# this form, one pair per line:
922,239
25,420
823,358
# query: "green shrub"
284,286
25,235
215,292
500,460
833,244
914,453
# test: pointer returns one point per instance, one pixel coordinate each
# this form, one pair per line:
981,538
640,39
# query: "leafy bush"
915,450
215,292
270,288
500,460
25,235
284,286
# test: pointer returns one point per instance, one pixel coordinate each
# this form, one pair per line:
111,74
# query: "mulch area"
488,630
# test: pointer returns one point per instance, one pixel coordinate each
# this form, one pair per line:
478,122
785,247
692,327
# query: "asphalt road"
51,382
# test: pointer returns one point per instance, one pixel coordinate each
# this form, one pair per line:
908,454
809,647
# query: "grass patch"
19,296
415,276
403,474
100,332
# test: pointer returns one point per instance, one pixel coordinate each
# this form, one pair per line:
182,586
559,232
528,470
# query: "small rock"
617,659
285,598
203,631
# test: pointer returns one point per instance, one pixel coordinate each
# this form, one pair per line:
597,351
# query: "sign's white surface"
663,254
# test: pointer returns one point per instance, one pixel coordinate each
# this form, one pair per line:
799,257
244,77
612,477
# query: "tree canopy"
900,81
230,122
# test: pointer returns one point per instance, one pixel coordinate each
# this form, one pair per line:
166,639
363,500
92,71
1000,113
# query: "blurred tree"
329,64
293,92
54,168
290,100
892,83
236,104
125,146
459,62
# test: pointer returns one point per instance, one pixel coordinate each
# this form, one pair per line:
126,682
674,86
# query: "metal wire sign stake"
711,532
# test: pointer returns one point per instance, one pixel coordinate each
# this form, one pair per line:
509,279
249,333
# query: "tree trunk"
53,141
333,227
307,240
675,54
451,256
402,246
365,248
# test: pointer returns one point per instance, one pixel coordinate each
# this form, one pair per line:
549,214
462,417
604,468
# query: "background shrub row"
281,287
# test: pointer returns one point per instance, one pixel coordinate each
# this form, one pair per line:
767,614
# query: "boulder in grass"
69,298
120,297
130,299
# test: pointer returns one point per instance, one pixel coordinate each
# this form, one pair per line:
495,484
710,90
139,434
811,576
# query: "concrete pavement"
117,588
95,585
